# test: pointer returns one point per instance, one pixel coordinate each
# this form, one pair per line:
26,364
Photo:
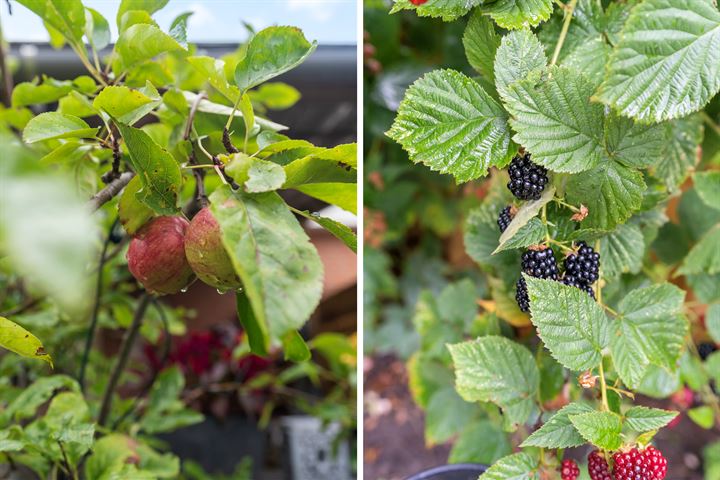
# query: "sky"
330,22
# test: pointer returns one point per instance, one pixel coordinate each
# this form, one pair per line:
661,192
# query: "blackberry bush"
566,96
527,180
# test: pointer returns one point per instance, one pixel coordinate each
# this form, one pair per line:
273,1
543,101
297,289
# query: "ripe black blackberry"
583,265
527,180
504,218
705,349
574,282
521,295
540,263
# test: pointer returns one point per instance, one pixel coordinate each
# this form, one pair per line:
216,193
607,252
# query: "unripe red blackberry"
583,265
540,263
598,467
569,470
527,180
504,218
635,464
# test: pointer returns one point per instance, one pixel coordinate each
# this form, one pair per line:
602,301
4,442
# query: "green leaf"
703,416
602,429
213,70
446,9
559,432
51,125
496,369
207,106
667,62
513,14
296,350
704,257
643,419
279,267
67,17
519,54
256,175
132,212
276,95
178,28
707,185
339,230
712,321
271,52
446,415
571,324
31,93
246,108
518,466
650,330
254,326
525,226
142,42
611,191
25,405
589,57
109,455
633,144
622,250
682,151
8,444
125,105
150,6
97,29
158,171
481,42
480,442
555,120
336,165
344,195
16,339
135,17
448,122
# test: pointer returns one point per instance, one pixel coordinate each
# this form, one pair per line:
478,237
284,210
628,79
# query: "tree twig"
112,189
124,356
191,116
114,173
96,308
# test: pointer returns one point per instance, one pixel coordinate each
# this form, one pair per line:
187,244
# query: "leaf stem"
570,10
603,387
710,122
565,204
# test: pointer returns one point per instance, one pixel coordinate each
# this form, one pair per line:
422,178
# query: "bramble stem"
603,387
570,10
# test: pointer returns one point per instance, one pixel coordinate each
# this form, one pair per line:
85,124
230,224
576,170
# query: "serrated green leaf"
449,123
589,57
496,369
67,17
622,250
513,14
149,6
178,28
633,144
32,93
213,70
339,230
158,171
272,51
555,120
602,429
571,324
142,42
480,442
516,233
681,152
279,267
519,53
481,42
712,321
704,257
446,415
611,191
97,29
650,331
519,466
667,63
643,419
125,105
53,125
559,432
446,9
707,185
18,340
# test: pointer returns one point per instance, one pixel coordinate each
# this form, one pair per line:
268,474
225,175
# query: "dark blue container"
458,471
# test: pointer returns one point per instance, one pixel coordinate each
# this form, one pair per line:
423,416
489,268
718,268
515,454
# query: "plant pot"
458,471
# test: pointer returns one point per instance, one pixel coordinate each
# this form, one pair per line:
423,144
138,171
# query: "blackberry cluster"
598,467
527,180
569,470
572,281
504,218
647,464
705,349
583,265
538,264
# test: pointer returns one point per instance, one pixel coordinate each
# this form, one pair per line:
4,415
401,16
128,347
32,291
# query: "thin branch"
89,339
191,116
110,191
227,143
114,173
124,356
563,33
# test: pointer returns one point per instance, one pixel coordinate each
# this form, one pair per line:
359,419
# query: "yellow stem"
563,33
